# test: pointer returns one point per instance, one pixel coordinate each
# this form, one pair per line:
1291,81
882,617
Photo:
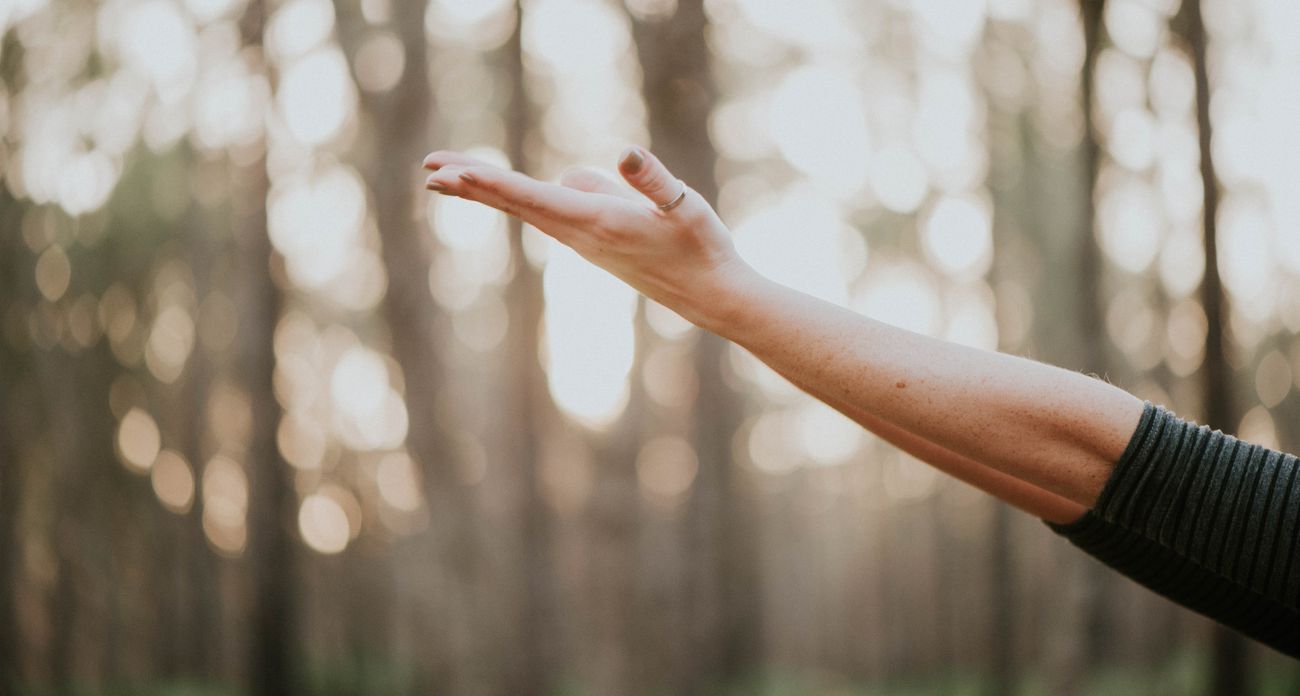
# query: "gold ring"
676,201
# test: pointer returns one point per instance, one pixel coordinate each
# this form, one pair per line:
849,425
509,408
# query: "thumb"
648,175
593,180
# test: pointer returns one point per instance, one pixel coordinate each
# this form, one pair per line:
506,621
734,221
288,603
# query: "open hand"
681,257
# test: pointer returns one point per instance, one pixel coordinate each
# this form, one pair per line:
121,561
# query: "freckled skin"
1039,437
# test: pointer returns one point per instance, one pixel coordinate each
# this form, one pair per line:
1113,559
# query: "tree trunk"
1230,668
530,667
680,93
200,650
11,369
1093,579
401,119
1092,326
272,501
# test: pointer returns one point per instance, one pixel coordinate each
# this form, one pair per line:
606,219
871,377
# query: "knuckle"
656,184
605,228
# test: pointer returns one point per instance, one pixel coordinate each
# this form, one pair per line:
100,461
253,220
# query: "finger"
443,158
648,175
593,180
540,204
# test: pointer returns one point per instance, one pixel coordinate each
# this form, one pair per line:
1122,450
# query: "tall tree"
680,93
532,412
12,252
271,497
402,124
1230,668
199,649
11,467
1090,326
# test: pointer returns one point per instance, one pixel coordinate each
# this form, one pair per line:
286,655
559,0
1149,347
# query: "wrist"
724,303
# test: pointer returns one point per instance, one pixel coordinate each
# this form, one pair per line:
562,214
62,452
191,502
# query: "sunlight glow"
899,178
1132,139
769,443
171,339
316,222
56,163
1182,261
945,131
229,105
466,226
796,242
302,440
1134,26
970,316
173,482
368,413
811,103
138,440
316,96
482,24
225,504
323,524
950,27
398,481
900,293
958,236
573,36
53,272
1185,330
1246,260
299,26
208,10
1130,223
1273,379
825,435
1257,426
816,25
738,129
589,337
156,40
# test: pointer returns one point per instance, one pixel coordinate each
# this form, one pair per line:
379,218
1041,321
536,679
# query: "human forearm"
1019,494
1053,428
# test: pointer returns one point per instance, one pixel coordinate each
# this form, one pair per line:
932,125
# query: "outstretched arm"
1050,428
1198,516
1053,428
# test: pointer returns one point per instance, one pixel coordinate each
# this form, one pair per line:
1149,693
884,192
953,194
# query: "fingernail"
466,176
435,186
631,160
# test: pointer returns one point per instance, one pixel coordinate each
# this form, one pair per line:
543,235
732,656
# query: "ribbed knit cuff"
1206,520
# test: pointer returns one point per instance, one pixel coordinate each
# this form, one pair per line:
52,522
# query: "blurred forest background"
275,420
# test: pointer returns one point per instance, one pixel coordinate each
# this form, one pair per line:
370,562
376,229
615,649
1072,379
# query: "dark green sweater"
1206,520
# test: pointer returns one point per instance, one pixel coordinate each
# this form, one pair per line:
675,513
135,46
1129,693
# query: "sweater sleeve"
1207,520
